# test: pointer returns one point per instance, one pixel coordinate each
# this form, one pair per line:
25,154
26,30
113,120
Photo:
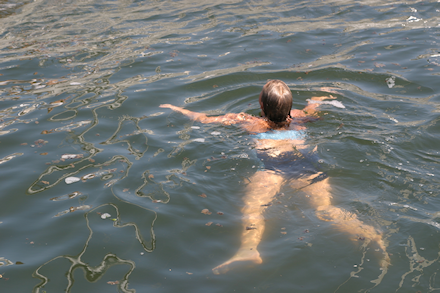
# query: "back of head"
276,100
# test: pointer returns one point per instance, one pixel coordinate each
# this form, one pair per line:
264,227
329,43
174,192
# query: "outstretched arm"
192,115
230,118
309,112
312,108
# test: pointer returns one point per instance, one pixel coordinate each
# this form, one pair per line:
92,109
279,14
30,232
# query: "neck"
278,125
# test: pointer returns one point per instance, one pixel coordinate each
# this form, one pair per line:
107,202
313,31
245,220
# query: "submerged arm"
312,108
309,112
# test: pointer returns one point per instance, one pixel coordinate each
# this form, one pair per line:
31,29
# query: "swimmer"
279,139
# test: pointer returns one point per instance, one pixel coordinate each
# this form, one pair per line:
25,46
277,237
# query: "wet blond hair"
276,100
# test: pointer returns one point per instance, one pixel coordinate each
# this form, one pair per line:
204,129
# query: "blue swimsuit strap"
279,135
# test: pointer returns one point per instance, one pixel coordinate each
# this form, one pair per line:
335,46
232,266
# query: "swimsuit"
292,165
278,135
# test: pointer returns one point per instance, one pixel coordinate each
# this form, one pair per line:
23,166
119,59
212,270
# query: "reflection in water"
93,274
77,163
10,157
137,141
68,170
4,261
417,264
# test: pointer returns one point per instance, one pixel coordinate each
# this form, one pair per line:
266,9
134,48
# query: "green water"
86,78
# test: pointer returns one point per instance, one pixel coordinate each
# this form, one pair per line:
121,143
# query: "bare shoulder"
255,124
248,122
236,118
294,113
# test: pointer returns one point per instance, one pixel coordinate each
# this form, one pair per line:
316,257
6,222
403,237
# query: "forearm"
190,114
312,108
201,117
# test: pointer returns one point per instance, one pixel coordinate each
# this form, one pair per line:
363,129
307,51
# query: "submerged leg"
263,186
345,221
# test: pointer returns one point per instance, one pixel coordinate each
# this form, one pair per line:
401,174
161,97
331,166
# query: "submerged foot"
243,255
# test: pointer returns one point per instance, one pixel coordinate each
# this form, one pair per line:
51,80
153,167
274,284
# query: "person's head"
276,101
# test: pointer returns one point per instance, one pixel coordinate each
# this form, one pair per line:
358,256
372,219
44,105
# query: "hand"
172,107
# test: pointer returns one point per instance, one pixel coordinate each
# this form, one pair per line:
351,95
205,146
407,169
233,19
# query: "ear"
261,104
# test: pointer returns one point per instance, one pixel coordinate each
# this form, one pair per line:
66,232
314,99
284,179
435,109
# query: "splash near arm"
334,103
314,103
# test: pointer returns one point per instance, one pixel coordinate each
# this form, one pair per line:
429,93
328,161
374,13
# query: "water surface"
85,78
